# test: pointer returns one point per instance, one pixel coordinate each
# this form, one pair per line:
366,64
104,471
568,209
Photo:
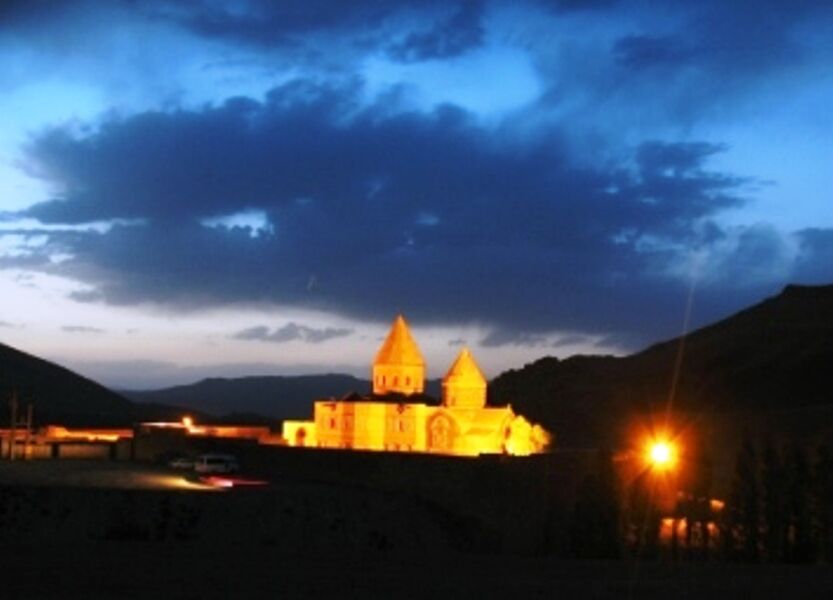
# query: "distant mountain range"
766,369
276,397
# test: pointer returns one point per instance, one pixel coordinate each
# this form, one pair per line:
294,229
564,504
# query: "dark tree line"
781,505
595,528
780,509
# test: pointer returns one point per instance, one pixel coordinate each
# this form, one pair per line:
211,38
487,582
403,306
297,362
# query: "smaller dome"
464,372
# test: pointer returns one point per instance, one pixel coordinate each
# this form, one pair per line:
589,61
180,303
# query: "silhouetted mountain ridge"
275,396
59,395
773,356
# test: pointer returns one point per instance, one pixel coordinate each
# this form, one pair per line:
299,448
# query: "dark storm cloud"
570,340
268,23
461,32
643,51
291,332
422,212
294,33
503,337
744,37
690,63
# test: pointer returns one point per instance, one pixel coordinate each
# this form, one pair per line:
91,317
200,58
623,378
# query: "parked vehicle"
216,463
182,462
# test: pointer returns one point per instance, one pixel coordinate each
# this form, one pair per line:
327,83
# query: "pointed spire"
399,348
465,372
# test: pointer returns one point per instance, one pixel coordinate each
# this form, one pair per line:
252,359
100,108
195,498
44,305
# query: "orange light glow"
661,455
188,422
58,432
525,438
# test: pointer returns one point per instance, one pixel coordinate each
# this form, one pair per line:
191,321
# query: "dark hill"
58,395
278,397
772,359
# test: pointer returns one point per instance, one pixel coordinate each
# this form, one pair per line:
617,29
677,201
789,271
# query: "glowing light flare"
661,454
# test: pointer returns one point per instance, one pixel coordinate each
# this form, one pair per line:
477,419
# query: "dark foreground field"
114,530
191,570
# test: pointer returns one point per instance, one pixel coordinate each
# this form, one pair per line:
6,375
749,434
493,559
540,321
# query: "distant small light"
187,422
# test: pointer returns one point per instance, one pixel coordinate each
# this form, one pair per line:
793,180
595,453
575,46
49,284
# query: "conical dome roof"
399,348
464,372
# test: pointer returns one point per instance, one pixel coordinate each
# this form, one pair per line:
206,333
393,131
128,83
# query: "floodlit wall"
415,427
404,427
300,434
464,386
398,378
464,397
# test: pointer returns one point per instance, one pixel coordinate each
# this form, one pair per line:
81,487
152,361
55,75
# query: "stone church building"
399,417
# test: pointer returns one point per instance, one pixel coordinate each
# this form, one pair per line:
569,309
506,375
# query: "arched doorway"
442,433
300,436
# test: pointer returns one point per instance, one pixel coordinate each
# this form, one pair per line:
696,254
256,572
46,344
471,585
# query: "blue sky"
229,188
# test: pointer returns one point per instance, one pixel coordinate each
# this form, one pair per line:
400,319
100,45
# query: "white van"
216,463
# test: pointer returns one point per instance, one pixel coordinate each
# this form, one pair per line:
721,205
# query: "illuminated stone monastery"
389,420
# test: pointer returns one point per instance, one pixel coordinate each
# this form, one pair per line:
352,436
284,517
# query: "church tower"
399,366
464,386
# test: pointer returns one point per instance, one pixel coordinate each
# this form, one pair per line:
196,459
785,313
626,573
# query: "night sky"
230,188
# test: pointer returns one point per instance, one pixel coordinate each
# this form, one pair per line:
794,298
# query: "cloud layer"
589,210
372,208
291,332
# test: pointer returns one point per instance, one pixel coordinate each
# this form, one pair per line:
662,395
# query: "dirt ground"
89,529
195,571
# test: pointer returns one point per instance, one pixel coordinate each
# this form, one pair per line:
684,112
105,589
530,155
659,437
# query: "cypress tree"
800,538
823,502
596,526
774,503
742,513
644,516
